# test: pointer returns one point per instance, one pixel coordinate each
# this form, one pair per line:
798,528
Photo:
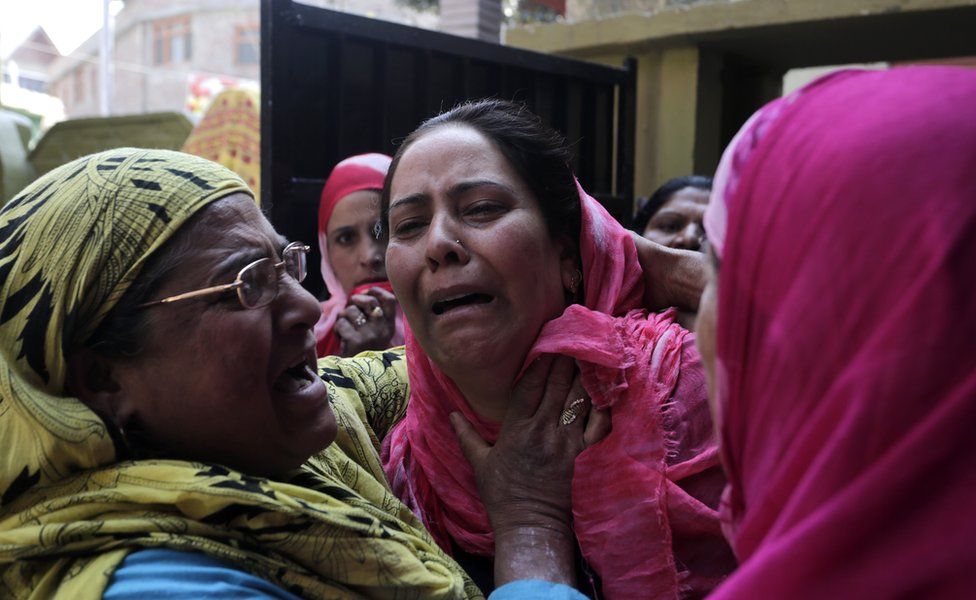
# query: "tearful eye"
408,227
480,208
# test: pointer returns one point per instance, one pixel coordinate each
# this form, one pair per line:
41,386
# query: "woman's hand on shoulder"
368,322
525,478
671,277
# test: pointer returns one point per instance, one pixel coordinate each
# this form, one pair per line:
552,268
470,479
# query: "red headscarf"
847,339
626,504
360,172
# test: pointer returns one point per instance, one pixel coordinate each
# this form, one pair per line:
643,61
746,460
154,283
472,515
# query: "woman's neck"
487,391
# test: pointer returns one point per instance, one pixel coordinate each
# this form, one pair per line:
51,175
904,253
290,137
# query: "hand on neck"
488,391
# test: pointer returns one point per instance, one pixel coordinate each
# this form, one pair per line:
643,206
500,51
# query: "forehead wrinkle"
231,225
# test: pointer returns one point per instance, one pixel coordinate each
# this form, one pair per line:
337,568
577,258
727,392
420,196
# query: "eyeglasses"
257,283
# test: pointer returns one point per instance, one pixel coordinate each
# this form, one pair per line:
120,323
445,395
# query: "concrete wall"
703,67
141,86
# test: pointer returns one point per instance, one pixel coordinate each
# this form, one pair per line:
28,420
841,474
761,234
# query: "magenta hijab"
846,339
629,510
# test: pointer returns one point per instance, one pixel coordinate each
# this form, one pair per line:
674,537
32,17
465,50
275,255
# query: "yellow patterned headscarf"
70,246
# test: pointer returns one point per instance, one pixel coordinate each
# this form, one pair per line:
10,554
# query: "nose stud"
458,242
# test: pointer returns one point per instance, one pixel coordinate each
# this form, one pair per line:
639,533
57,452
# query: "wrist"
522,516
554,528
540,551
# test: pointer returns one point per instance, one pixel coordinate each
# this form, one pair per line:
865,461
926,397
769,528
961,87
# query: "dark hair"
662,194
538,153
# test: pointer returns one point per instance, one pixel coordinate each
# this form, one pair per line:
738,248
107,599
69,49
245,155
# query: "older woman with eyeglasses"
164,424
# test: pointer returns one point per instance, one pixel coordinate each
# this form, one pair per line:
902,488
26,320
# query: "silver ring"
572,412
360,320
376,313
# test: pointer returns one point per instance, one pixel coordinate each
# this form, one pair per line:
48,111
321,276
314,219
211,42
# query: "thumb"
472,445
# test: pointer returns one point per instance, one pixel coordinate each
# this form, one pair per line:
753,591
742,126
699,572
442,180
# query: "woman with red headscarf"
839,336
361,312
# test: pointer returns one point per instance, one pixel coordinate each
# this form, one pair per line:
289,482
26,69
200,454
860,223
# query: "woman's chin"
458,354
312,437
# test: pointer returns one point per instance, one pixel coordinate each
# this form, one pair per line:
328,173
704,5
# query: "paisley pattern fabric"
70,245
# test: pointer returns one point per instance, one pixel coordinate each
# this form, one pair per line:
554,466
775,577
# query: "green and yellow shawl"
70,245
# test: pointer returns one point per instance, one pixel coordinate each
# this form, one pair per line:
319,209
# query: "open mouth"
442,306
295,378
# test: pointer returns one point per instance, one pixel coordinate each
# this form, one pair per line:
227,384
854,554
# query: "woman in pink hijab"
498,258
839,336
361,312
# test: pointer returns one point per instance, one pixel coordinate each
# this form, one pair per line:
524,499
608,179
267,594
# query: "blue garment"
535,589
174,575
158,574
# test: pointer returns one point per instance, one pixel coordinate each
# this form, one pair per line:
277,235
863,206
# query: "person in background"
672,216
838,332
361,312
230,135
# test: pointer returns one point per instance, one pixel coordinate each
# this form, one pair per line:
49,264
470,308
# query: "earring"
575,282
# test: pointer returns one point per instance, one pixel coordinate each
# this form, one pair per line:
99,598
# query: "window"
32,83
172,42
247,44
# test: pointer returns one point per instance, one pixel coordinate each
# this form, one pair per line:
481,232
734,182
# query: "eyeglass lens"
259,282
295,261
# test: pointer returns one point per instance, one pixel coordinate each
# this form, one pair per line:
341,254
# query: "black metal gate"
334,85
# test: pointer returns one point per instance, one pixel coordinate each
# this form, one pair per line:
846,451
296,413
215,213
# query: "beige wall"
141,86
667,89
702,68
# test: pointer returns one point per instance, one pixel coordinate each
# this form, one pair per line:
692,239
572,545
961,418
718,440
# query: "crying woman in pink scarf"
839,331
500,261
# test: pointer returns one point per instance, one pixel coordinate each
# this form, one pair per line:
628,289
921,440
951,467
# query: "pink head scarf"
846,339
627,505
360,172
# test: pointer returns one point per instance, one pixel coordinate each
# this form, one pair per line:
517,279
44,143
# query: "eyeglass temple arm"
195,294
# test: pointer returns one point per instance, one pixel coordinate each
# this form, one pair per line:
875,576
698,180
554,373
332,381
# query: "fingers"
344,328
558,384
354,315
597,427
367,306
575,406
475,449
387,300
529,390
